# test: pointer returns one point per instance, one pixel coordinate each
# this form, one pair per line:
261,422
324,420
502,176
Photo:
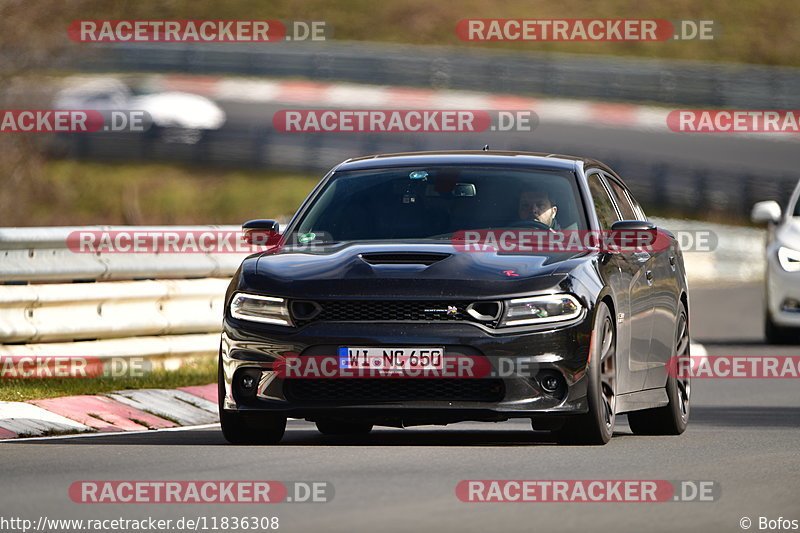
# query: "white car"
782,313
182,117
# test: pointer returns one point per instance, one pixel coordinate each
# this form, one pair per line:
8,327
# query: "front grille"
383,310
366,390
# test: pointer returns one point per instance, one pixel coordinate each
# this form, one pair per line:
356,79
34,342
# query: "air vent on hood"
403,258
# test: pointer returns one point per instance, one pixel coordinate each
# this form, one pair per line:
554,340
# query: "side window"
602,203
622,200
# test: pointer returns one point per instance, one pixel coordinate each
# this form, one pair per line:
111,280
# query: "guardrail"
42,254
737,258
106,306
163,307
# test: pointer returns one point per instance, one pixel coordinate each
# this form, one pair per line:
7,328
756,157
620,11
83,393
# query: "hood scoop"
403,258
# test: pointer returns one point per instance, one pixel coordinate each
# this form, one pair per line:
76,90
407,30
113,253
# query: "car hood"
385,270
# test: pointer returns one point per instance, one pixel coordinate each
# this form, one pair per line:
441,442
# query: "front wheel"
247,428
673,418
597,426
778,334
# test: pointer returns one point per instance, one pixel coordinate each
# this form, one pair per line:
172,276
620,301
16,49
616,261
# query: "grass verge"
201,372
751,31
87,193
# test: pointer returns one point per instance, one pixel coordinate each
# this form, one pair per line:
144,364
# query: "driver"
535,204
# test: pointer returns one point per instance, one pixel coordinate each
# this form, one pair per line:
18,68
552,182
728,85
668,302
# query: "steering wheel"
529,224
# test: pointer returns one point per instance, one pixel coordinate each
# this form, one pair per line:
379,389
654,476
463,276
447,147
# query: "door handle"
672,262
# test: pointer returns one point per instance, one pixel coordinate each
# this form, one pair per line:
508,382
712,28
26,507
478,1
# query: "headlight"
540,310
789,259
257,308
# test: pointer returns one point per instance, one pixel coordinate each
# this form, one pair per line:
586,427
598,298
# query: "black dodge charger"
439,287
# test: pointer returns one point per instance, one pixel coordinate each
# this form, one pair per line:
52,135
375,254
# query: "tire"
673,418
247,428
597,426
778,334
336,427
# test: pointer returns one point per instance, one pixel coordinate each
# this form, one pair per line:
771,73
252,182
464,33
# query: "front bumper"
512,389
782,287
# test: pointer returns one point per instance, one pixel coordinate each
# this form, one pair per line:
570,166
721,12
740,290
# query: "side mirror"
261,232
631,235
633,225
766,212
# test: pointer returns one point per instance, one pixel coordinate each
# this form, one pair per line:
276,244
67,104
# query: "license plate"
391,359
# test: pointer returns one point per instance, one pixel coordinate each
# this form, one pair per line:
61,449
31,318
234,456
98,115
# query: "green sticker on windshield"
306,237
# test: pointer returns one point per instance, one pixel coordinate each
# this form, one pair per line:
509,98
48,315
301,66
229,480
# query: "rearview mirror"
464,190
261,232
766,212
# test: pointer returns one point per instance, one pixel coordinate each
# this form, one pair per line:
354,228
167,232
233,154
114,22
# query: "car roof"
467,158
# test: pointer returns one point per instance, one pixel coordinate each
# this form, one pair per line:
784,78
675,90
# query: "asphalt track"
743,435
677,172
682,171
768,158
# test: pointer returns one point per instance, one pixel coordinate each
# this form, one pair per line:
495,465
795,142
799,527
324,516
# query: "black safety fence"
661,185
685,83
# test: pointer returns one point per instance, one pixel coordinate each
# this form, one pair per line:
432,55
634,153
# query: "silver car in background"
782,276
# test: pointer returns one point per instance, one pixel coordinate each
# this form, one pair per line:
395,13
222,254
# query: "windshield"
434,202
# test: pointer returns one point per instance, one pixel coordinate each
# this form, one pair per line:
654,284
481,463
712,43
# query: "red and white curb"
20,419
134,410
350,95
102,413
184,408
128,411
338,95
